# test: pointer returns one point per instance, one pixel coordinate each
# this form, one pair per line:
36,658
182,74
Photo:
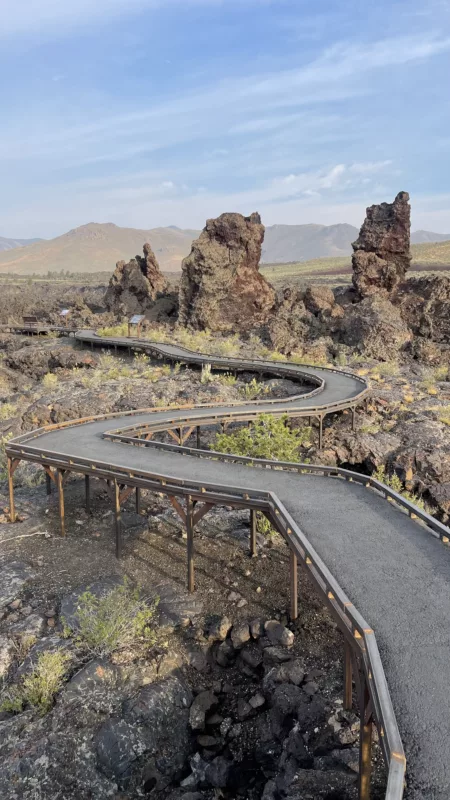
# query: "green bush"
113,622
38,689
114,330
267,437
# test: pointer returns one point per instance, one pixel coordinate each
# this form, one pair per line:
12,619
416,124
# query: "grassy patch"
394,482
7,410
38,689
50,380
118,620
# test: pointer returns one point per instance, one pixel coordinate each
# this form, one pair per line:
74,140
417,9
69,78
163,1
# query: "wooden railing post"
348,677
60,487
117,519
87,493
365,740
253,532
190,543
12,507
293,572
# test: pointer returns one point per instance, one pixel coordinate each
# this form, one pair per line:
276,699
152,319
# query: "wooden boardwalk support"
60,486
117,518
253,532
87,493
293,575
190,543
348,677
365,739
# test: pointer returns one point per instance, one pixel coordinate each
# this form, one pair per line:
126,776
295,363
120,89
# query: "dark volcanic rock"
375,328
382,255
425,306
134,286
221,288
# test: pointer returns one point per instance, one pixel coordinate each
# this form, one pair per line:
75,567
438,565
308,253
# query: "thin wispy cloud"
230,113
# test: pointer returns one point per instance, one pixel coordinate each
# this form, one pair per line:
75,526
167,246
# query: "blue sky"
166,112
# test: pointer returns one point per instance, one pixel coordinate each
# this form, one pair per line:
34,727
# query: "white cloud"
56,17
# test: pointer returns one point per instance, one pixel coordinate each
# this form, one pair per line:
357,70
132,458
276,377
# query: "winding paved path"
395,571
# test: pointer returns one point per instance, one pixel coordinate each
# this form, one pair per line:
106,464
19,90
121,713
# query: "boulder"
134,286
382,251
375,328
424,304
291,322
221,288
15,575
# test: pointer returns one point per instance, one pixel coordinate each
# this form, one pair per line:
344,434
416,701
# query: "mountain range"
11,244
97,247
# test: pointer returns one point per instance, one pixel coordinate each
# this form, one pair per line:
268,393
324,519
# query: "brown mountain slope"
11,244
96,248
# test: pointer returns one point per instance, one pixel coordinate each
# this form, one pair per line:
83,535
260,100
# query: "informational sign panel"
137,319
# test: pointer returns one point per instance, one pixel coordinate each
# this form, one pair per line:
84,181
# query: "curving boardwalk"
395,572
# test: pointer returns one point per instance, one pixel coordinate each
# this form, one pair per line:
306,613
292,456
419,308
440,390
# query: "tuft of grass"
114,330
7,410
252,390
226,380
394,482
387,368
50,380
38,689
118,620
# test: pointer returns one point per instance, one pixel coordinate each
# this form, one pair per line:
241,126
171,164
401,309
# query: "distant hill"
422,237
430,257
283,243
11,244
97,247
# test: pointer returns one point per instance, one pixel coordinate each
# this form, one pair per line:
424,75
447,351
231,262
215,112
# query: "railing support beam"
253,549
365,741
117,519
138,500
348,677
60,486
190,543
293,573
87,493
12,507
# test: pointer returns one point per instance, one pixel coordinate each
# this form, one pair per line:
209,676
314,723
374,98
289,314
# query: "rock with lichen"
221,288
382,251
